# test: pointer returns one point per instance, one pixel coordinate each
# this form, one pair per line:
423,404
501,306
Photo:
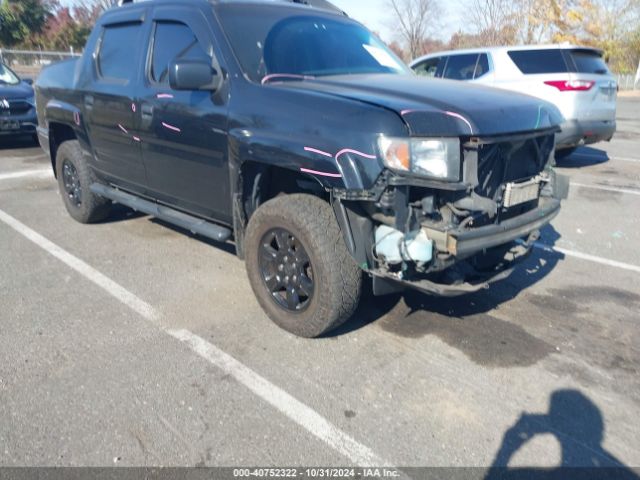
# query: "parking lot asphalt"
132,343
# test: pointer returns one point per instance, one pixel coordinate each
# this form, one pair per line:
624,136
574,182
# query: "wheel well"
261,183
58,134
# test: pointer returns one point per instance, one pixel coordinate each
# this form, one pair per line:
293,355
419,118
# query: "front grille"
515,161
17,107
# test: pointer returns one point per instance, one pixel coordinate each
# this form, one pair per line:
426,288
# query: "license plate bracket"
9,125
519,193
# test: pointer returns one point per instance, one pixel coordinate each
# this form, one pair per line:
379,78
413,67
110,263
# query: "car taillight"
571,85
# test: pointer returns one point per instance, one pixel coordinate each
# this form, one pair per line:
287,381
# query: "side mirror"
28,81
193,75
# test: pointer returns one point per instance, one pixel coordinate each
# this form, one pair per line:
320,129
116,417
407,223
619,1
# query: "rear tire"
74,179
299,267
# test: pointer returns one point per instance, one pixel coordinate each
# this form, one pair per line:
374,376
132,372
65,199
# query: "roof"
320,4
504,48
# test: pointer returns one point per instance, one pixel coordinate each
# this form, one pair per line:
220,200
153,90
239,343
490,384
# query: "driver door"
183,133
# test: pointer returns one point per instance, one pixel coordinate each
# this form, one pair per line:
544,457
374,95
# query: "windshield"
7,76
271,43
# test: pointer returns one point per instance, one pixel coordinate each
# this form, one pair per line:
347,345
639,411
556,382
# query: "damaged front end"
463,232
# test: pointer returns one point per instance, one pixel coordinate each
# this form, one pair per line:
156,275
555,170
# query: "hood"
435,107
11,92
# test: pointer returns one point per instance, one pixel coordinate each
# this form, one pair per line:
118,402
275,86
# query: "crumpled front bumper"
469,242
474,281
520,233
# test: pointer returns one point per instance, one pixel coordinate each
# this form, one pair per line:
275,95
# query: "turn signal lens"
396,153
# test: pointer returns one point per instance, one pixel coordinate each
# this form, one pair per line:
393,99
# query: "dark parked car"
294,131
17,105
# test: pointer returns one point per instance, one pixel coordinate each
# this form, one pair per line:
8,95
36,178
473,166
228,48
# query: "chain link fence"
28,63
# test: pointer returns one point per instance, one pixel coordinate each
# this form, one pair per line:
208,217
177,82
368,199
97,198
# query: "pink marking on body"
406,112
136,139
268,78
319,152
171,127
356,152
164,95
124,130
323,174
76,118
460,117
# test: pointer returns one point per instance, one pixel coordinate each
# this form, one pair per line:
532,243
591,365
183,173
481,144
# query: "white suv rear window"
589,61
581,60
531,62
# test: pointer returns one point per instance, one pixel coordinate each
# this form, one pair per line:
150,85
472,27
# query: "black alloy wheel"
286,270
72,186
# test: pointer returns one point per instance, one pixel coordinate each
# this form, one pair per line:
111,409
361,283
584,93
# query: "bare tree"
495,21
100,5
414,19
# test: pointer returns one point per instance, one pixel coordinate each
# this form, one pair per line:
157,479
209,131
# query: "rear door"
109,100
461,67
184,133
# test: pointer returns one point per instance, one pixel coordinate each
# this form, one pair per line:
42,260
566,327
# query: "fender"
61,118
352,167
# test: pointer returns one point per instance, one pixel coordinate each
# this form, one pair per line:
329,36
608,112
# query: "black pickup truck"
292,130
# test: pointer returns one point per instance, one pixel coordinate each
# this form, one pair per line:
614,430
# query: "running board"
194,224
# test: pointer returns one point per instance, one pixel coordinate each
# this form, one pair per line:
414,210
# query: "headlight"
31,101
436,158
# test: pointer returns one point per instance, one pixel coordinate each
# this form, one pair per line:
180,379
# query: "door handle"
88,102
147,110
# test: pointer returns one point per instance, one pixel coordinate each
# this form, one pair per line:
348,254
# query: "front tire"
299,267
74,179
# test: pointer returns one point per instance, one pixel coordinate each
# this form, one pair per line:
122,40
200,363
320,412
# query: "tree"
414,19
21,19
495,21
12,30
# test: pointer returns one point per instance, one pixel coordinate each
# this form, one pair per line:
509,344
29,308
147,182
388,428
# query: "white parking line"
281,400
627,159
295,410
87,271
41,172
607,189
589,258
27,158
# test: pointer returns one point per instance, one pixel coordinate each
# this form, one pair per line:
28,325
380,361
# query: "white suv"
575,79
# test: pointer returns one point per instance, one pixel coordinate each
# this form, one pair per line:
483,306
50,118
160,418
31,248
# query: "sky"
377,17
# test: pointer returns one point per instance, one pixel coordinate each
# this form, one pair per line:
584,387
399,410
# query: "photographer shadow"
578,425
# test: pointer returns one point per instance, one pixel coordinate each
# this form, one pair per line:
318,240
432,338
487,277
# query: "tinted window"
482,68
539,61
428,68
270,41
173,41
588,61
119,43
461,67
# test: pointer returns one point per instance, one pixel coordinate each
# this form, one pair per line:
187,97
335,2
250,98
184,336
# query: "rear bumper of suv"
576,132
